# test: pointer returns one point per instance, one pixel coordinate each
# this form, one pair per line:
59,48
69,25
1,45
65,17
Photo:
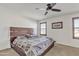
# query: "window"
43,27
76,28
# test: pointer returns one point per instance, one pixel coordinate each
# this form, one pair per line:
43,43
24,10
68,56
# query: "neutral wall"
9,19
62,36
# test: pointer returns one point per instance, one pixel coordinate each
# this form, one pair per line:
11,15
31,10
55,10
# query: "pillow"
12,39
28,35
33,35
21,37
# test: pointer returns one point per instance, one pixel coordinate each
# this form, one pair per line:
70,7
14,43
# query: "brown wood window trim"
45,29
73,29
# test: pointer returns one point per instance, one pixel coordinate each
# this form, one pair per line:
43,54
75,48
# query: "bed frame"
17,31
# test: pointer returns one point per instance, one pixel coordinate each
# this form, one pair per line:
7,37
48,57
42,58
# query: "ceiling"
29,9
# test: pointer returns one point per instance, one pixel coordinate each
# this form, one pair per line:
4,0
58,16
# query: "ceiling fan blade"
53,4
40,9
46,13
57,10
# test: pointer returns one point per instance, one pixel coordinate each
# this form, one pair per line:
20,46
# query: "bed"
25,43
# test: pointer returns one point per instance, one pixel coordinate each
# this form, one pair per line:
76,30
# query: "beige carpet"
63,50
8,52
57,50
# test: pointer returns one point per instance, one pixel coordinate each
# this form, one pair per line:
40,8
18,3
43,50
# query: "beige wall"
62,36
9,19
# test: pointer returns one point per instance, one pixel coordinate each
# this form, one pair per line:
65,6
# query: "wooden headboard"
18,31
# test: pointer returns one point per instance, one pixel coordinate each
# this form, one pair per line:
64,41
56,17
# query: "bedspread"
34,45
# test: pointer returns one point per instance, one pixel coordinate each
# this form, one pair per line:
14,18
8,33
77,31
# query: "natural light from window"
76,27
43,28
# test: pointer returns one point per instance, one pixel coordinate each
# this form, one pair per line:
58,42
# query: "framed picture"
57,25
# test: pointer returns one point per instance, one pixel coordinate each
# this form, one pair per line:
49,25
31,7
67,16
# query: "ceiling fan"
50,7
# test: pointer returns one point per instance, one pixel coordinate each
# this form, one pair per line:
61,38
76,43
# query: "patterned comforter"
34,45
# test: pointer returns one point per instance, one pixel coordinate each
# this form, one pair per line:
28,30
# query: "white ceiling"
29,9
